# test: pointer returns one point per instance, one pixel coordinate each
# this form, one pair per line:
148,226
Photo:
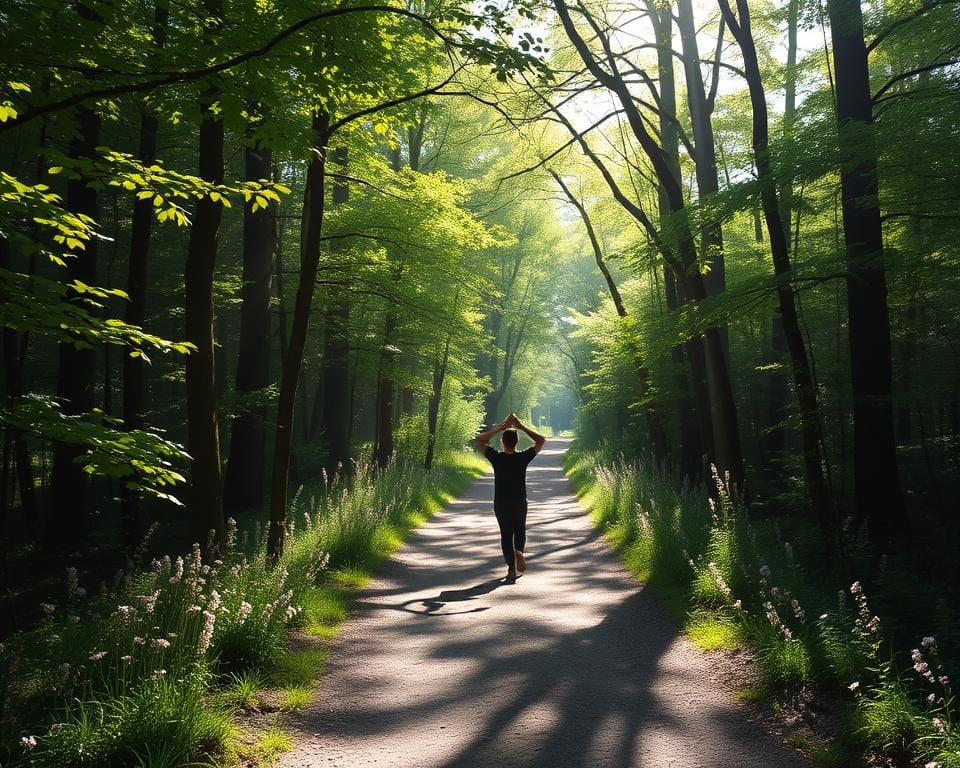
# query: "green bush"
889,719
745,580
125,677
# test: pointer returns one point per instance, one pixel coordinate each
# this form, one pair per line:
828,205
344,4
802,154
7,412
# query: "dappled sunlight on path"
575,664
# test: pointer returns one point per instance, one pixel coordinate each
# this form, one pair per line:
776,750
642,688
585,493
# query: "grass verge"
734,581
158,669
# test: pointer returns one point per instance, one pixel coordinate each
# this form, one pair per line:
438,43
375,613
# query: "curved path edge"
444,665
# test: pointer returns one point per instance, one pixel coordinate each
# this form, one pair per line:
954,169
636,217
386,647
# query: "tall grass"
733,579
127,677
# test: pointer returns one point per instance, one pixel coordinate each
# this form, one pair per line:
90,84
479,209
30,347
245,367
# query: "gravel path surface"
443,664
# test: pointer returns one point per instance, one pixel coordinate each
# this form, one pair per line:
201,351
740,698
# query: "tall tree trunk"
879,498
433,406
384,440
705,157
14,357
802,377
313,210
696,431
244,485
775,436
70,498
335,370
134,373
203,433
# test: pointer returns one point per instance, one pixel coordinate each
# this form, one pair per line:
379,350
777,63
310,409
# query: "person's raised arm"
483,439
538,439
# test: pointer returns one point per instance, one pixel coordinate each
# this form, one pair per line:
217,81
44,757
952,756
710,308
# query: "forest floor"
576,664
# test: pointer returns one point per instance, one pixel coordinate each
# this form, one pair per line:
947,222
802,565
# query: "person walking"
510,487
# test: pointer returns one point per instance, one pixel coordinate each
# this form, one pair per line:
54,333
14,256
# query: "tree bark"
775,438
383,447
14,453
203,433
134,372
70,498
879,502
696,431
705,157
313,210
335,370
244,485
433,406
802,377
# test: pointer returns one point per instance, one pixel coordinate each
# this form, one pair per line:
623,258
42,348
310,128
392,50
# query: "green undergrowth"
734,581
162,668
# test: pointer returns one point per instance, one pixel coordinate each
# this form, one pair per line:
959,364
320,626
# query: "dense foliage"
248,246
799,158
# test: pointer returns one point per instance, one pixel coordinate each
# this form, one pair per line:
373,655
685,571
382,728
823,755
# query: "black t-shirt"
510,474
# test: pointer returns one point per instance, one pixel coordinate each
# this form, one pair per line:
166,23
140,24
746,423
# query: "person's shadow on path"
434,604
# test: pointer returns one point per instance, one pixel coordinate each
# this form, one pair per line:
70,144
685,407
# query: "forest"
268,266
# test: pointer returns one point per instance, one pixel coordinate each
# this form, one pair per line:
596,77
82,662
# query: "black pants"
512,519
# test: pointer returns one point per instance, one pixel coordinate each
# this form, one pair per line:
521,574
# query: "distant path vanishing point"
576,664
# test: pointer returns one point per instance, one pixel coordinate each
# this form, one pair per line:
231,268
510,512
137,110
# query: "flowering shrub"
742,571
155,639
124,677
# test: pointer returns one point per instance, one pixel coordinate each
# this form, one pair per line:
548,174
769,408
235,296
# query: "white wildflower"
149,602
28,742
98,655
206,634
177,571
798,611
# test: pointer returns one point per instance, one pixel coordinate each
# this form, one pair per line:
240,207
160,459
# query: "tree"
871,367
206,502
604,68
244,486
134,379
777,233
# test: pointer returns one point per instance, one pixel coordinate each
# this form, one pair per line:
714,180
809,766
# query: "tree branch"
173,78
878,96
928,5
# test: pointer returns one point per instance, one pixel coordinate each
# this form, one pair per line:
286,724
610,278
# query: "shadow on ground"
446,665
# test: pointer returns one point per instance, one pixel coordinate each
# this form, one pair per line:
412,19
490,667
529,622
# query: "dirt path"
574,665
